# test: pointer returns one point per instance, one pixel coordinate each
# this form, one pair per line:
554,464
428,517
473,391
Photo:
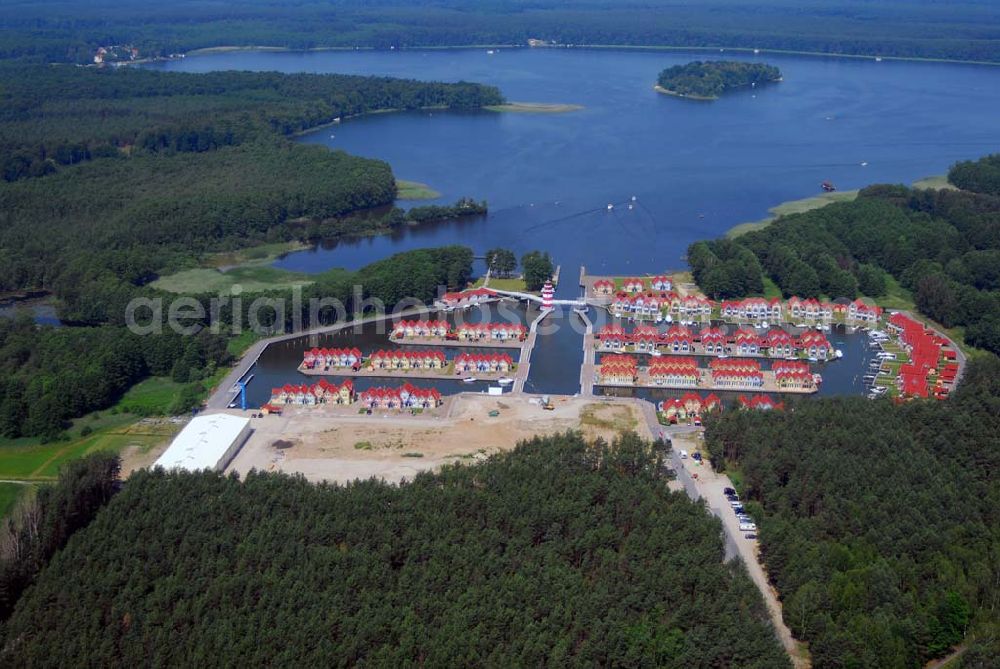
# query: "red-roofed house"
604,287
713,341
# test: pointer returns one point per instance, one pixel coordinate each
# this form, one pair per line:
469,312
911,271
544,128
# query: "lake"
696,169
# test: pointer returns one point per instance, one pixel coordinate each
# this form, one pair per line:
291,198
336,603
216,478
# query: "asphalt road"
709,487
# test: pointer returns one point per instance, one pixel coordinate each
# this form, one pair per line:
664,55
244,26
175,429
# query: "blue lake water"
695,169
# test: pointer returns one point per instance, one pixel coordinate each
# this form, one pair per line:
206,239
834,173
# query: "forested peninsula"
113,177
708,80
936,250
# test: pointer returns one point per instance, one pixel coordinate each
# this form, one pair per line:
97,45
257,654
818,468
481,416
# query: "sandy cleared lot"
326,446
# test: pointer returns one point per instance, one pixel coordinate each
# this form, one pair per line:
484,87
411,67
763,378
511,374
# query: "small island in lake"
708,80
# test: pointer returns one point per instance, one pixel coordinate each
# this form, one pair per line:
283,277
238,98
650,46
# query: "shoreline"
533,108
759,51
683,96
802,205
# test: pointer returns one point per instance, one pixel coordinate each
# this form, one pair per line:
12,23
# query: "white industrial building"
207,442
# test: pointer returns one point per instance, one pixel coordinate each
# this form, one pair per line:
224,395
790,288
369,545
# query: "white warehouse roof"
207,442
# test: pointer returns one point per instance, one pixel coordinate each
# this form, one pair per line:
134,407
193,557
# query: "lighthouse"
548,292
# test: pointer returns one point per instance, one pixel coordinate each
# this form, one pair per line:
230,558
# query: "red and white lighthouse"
548,292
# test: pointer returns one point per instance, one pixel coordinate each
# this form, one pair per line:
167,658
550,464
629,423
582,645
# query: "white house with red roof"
678,339
489,363
634,285
661,282
604,287
779,343
860,311
694,305
467,298
713,340
674,372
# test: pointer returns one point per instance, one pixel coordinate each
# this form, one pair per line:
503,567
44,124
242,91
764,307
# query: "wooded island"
709,80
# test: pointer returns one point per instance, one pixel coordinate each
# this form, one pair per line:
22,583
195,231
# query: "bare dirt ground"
337,447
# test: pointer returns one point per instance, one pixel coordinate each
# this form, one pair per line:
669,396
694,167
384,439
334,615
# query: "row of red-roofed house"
691,405
789,375
321,392
403,360
759,403
420,329
797,308
467,298
465,332
491,332
634,285
618,369
730,373
674,372
925,349
332,358
403,397
679,339
486,363
654,304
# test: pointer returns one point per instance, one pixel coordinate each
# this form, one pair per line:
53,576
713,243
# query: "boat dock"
524,362
588,370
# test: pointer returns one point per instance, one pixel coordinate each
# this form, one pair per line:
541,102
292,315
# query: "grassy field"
533,108
608,417
30,460
821,200
514,284
414,190
771,289
155,395
939,182
263,254
792,207
251,278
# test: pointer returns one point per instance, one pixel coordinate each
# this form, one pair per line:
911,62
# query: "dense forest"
62,30
559,553
45,522
880,524
710,79
51,375
941,245
979,176
113,177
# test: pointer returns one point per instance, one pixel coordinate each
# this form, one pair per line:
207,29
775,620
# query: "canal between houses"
695,169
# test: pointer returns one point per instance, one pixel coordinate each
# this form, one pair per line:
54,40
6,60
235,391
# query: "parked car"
747,527
684,455
696,457
728,491
735,502
738,510
750,535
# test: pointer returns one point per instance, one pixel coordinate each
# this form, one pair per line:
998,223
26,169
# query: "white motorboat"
505,381
838,353
469,379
